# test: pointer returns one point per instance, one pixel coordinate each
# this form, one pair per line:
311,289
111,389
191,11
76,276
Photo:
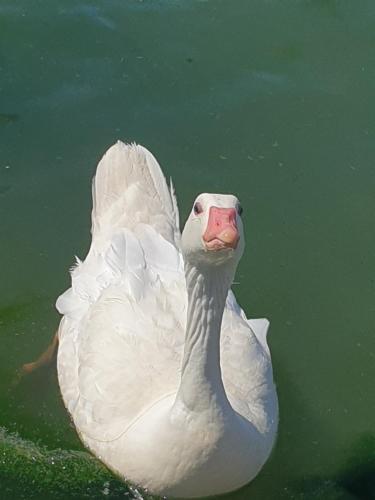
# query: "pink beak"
221,231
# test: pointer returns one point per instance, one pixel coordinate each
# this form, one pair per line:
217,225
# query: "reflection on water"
268,100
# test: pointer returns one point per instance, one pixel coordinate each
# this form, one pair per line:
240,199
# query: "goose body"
165,378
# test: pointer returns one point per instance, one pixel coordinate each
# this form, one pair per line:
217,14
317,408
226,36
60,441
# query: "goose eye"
239,210
198,209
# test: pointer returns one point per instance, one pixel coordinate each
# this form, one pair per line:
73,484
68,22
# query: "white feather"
122,335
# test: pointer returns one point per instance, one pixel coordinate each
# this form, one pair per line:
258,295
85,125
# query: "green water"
271,100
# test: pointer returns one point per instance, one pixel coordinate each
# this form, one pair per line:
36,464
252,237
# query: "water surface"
270,100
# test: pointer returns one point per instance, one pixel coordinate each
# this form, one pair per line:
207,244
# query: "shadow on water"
33,407
6,118
351,479
5,189
355,480
358,474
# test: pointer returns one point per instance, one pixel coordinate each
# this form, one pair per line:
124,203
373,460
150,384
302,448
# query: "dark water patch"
354,481
16,310
6,118
288,53
328,7
19,320
358,475
28,471
4,189
32,406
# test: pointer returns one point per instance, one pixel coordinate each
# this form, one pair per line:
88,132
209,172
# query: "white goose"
166,380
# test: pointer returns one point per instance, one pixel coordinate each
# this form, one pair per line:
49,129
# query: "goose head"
213,234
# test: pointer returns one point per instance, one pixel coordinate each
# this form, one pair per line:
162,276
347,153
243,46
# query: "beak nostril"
221,228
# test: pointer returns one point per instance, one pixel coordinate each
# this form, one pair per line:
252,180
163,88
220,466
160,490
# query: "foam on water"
28,471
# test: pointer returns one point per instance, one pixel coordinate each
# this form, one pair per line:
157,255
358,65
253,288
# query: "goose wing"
130,197
121,336
247,367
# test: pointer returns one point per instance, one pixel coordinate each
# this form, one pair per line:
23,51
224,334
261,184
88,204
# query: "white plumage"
153,413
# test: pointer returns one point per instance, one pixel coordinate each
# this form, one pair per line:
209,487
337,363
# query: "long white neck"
201,383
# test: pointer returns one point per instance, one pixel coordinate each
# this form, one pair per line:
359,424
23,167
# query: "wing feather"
129,188
134,213
122,315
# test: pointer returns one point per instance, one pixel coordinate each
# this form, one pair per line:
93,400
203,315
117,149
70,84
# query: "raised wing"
121,337
130,197
129,188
